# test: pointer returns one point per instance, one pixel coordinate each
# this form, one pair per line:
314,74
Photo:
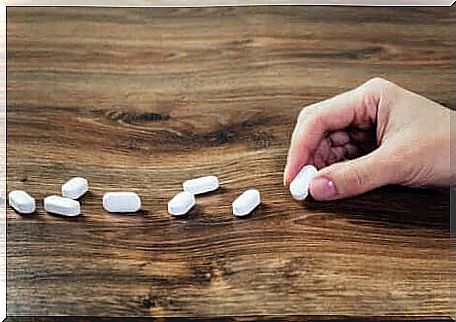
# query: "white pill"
201,185
246,202
121,202
62,206
181,203
75,188
299,187
22,202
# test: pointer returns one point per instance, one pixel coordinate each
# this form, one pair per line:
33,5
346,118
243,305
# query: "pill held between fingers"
181,203
201,184
299,187
121,202
246,202
75,188
62,206
22,202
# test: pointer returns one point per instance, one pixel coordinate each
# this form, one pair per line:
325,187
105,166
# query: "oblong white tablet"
201,184
181,203
121,202
75,188
246,202
299,187
62,206
22,202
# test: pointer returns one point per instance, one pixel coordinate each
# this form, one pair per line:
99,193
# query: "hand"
382,133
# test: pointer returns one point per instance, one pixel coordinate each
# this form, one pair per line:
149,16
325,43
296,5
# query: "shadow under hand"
393,206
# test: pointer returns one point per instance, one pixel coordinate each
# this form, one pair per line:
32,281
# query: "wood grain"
274,318
143,98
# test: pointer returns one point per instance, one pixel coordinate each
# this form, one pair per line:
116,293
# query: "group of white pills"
182,202
65,205
68,205
129,202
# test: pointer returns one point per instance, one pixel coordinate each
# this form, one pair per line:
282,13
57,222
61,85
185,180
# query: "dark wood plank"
143,98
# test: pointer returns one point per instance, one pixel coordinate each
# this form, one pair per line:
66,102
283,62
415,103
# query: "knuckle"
356,180
378,85
376,81
377,89
305,111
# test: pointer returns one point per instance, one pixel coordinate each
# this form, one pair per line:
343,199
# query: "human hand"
383,133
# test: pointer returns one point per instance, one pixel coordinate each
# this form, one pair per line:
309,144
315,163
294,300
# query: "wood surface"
141,99
274,318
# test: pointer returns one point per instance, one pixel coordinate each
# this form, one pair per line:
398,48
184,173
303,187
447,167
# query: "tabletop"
141,99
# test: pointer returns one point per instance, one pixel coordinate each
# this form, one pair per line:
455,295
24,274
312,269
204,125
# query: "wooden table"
141,99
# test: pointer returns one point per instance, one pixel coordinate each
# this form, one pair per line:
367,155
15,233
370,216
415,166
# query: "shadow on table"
393,205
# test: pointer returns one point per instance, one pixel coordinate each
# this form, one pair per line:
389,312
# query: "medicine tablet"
201,185
181,203
75,188
246,202
121,202
22,202
299,187
62,206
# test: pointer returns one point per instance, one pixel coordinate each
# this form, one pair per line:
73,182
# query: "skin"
374,135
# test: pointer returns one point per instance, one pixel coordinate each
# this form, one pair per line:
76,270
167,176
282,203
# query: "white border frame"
138,3
203,3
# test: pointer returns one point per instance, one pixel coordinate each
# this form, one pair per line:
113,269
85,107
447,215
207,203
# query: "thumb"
353,177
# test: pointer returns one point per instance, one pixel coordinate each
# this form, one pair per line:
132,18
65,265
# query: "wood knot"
202,274
148,303
134,117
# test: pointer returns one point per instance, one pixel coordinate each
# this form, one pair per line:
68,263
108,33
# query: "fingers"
360,136
351,151
326,155
322,154
348,151
358,106
353,177
339,138
334,148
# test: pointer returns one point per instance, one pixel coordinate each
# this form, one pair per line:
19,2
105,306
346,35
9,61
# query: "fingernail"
323,189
